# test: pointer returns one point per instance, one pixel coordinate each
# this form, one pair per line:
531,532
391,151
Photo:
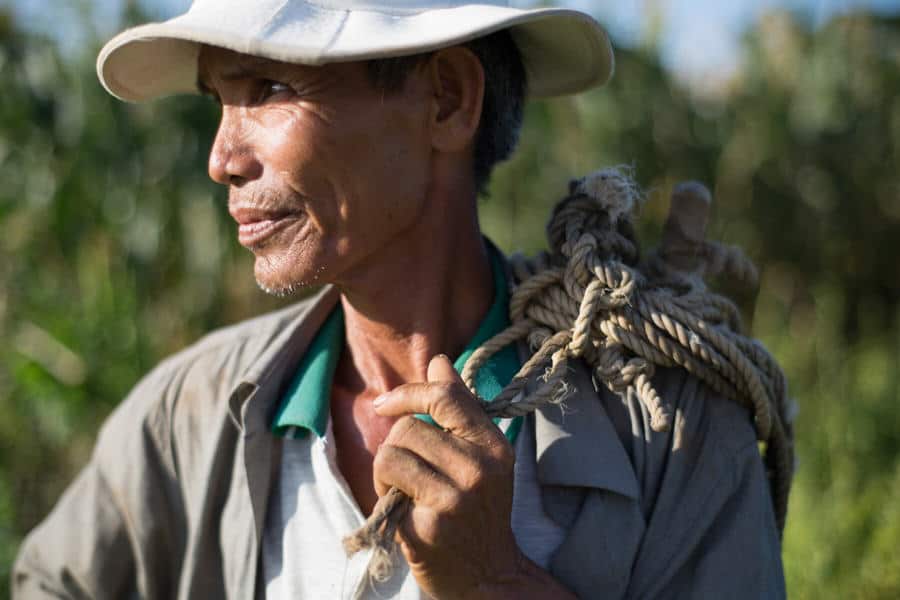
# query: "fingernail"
380,399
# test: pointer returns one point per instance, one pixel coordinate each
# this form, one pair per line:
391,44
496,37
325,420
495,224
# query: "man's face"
323,171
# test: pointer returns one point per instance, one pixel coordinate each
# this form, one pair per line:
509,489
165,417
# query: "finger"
400,468
450,404
455,458
441,369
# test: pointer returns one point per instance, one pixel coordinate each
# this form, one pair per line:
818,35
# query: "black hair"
504,96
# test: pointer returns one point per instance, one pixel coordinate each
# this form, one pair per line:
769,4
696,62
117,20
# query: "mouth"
256,226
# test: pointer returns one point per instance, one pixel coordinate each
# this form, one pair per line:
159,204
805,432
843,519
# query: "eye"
270,89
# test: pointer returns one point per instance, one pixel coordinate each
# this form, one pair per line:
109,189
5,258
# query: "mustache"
260,204
265,199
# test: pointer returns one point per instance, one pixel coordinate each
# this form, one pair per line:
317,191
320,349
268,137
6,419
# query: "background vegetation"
115,250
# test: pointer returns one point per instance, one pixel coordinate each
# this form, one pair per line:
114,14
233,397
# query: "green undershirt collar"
305,404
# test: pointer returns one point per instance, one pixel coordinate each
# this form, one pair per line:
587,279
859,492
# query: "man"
354,139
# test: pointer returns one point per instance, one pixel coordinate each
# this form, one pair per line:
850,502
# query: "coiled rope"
592,299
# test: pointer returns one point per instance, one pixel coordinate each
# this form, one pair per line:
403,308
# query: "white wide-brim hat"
564,51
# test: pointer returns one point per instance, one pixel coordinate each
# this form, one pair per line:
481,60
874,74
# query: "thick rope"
590,299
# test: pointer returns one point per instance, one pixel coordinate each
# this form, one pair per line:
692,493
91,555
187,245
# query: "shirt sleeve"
115,531
81,550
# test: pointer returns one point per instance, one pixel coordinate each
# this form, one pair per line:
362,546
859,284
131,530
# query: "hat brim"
564,51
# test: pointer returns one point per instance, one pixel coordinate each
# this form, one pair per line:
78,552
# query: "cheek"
392,168
361,175
292,149
299,151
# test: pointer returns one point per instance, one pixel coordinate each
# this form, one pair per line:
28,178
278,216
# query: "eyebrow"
239,69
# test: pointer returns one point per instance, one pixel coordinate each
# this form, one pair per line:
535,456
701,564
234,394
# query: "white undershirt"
312,508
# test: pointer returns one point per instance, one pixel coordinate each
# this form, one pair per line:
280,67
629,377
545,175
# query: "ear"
457,83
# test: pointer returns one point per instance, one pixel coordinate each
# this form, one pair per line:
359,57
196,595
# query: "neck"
423,295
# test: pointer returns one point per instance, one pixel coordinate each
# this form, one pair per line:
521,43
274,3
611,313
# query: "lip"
255,225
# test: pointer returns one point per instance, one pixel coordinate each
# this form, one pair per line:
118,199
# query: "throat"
358,432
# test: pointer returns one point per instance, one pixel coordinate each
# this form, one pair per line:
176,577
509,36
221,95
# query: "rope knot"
613,189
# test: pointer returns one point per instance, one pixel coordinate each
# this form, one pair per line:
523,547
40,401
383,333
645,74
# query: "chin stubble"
289,289
281,291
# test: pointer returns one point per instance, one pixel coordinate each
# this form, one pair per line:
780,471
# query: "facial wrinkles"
240,136
249,128
302,149
297,177
322,134
330,150
311,84
272,140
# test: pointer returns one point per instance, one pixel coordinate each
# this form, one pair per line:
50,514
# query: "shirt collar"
305,404
263,380
578,446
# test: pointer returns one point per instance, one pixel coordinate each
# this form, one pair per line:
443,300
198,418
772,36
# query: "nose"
232,160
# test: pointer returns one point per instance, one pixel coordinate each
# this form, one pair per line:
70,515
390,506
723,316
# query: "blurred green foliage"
116,250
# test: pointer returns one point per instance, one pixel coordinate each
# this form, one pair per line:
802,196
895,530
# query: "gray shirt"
174,500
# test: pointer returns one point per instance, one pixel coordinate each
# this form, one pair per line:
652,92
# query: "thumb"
441,369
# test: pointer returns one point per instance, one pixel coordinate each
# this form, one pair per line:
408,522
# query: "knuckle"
476,479
452,503
455,388
477,474
440,391
382,460
401,430
499,462
444,524
505,455
499,448
427,484
450,390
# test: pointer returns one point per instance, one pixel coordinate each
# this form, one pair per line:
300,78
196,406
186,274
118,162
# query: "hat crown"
382,6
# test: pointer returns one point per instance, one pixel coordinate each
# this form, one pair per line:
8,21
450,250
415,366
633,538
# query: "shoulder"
668,502
230,351
703,417
701,460
190,390
166,452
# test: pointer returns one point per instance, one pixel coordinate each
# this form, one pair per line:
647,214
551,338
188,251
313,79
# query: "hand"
456,536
